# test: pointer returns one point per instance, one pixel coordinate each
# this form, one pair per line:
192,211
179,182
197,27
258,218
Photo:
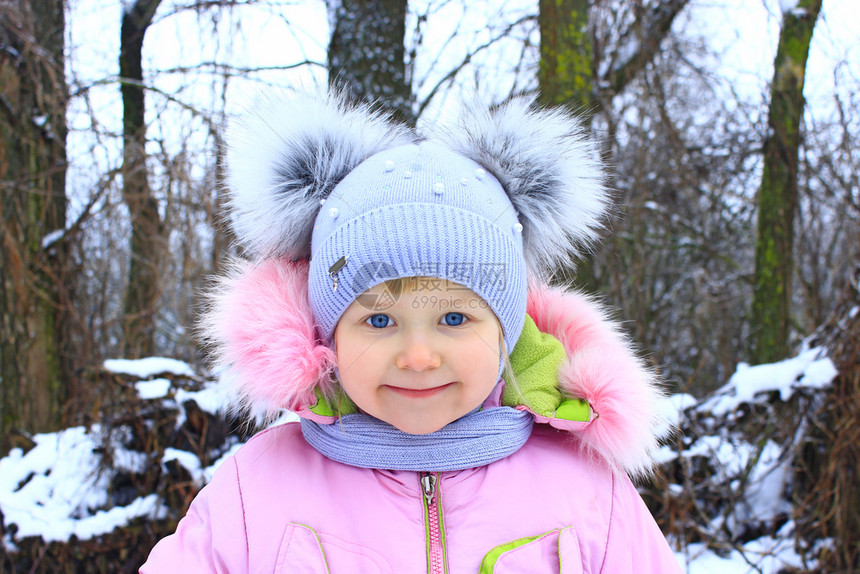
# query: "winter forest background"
732,130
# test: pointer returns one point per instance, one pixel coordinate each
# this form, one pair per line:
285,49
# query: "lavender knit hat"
502,197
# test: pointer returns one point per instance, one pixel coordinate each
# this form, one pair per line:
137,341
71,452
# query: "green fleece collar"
535,361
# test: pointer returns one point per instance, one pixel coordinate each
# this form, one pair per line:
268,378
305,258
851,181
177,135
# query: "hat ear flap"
287,154
550,169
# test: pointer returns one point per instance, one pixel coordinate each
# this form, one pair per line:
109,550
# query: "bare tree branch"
640,43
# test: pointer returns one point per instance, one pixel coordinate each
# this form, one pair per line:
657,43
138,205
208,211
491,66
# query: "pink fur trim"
264,342
603,369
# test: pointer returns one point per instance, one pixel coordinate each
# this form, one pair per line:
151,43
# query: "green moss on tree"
777,197
33,366
565,70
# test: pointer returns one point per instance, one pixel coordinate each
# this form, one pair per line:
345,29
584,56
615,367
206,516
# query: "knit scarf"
477,439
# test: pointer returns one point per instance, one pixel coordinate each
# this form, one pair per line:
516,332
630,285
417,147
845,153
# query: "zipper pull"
428,484
334,269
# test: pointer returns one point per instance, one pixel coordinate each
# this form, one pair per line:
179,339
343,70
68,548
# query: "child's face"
421,359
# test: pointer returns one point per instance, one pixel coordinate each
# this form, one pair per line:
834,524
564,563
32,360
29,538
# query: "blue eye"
453,319
379,321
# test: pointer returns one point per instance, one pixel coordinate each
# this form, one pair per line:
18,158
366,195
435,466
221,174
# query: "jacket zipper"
433,524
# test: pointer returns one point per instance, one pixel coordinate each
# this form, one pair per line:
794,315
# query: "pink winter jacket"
562,503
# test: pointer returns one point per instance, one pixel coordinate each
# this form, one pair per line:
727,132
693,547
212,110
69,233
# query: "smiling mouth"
418,393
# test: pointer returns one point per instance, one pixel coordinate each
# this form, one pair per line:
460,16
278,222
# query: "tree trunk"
147,235
566,69
777,196
640,43
366,53
33,97
564,76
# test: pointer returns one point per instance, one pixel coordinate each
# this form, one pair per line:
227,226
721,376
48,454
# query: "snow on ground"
809,369
672,411
766,555
57,490
154,389
144,368
60,487
210,399
199,474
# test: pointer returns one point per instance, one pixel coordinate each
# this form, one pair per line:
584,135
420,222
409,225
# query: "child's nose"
418,354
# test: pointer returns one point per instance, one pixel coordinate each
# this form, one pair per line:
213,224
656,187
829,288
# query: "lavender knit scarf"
477,439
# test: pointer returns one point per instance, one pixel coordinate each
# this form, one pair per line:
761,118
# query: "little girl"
456,413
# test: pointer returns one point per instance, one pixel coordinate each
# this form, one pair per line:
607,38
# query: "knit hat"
418,210
503,196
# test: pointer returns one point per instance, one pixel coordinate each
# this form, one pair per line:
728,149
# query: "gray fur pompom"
549,168
288,154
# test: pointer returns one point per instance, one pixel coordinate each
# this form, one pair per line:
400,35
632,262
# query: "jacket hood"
603,369
267,353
